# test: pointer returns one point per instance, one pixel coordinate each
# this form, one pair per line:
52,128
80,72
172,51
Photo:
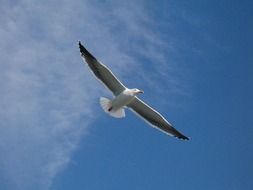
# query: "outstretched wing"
103,74
154,118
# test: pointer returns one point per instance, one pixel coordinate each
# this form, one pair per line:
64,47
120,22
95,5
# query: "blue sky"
194,61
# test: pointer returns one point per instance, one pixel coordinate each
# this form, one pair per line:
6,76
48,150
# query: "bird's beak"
141,92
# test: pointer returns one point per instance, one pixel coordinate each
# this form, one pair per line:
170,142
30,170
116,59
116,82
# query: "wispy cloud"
47,95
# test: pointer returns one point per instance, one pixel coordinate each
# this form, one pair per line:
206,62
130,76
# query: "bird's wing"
154,118
104,74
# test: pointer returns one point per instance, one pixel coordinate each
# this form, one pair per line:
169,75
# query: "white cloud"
47,95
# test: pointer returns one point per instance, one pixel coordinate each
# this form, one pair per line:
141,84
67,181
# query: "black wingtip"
81,46
79,43
182,137
84,52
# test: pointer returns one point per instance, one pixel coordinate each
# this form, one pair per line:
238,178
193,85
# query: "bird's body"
115,107
124,97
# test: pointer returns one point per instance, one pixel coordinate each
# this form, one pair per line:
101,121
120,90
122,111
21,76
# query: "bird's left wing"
154,118
104,74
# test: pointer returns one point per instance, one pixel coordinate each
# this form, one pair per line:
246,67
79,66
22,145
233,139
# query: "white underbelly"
121,100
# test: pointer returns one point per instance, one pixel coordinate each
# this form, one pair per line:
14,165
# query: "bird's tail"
106,104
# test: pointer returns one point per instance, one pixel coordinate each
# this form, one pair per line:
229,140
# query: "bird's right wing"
154,118
103,74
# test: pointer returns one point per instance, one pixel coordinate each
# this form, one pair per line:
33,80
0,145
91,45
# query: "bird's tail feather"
106,105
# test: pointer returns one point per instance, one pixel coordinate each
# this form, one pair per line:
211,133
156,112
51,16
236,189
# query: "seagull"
125,97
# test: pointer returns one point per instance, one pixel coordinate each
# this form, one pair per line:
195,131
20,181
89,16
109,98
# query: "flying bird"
125,97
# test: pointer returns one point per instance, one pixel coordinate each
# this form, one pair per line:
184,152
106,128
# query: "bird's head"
137,91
